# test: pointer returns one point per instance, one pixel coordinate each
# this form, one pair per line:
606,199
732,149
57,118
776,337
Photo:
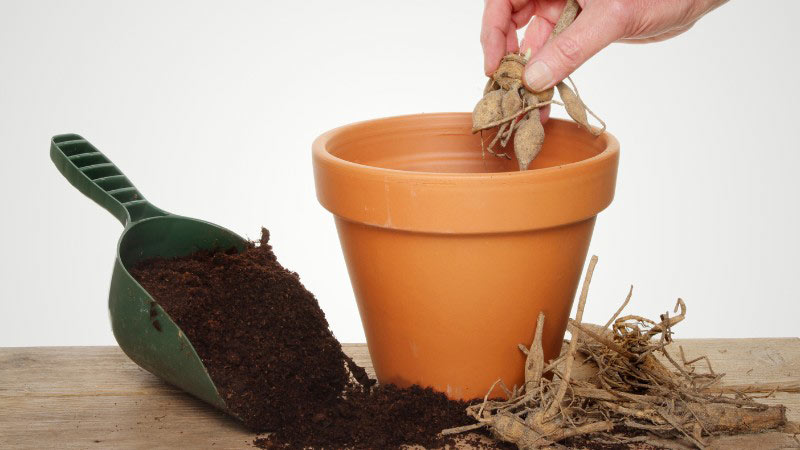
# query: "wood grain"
95,397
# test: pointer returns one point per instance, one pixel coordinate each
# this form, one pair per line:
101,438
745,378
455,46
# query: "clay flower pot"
452,256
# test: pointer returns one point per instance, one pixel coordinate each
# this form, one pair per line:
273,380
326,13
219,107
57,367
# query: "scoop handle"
92,173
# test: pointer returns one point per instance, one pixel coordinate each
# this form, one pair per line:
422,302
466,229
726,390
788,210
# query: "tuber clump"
511,108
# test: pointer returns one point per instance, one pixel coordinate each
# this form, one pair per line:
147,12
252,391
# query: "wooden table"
95,397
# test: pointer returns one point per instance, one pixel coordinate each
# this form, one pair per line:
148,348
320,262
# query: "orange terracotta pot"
451,255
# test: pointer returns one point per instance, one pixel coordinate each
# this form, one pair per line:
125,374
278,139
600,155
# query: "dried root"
507,104
610,386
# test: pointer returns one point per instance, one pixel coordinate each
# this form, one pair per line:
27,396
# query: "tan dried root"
534,363
507,104
619,383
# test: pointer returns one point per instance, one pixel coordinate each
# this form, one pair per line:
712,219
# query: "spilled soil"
267,346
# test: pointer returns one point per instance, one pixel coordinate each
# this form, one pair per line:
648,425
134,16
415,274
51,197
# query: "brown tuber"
529,139
489,109
511,102
509,74
575,107
544,96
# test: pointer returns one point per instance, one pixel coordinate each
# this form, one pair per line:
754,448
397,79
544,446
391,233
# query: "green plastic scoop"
143,330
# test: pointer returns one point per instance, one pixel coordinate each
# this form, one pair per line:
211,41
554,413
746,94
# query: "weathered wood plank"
95,397
751,361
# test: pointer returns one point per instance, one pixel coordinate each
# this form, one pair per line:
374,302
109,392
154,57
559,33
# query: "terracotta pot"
451,255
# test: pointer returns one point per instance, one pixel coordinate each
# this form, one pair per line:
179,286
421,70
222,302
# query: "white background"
211,107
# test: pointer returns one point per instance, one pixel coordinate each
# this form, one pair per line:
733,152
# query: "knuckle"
619,11
569,50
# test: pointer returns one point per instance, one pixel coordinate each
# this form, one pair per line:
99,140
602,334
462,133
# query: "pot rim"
319,148
437,202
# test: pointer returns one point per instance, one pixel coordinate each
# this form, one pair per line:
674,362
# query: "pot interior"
445,144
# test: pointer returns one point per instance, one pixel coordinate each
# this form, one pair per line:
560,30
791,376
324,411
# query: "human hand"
598,24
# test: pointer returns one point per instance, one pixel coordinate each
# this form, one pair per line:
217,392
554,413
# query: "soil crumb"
269,349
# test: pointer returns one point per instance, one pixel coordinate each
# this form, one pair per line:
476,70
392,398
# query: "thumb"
593,29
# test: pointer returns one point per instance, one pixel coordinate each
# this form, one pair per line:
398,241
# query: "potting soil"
269,350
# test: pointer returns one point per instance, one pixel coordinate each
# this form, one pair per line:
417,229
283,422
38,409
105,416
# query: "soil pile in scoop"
267,346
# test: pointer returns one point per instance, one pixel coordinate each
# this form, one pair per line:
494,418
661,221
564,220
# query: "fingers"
511,39
593,29
536,35
522,14
496,20
501,18
544,113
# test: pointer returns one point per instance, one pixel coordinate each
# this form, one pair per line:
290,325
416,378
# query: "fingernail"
538,76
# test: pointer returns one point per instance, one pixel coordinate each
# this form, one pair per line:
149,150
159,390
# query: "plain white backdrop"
210,109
